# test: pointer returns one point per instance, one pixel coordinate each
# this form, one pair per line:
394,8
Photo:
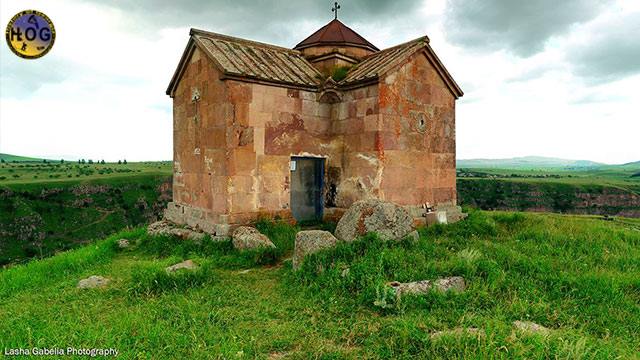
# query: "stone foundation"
204,220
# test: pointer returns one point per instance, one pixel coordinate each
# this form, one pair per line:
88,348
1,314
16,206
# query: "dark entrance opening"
307,180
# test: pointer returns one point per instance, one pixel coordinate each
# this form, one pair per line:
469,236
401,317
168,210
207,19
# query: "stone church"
266,131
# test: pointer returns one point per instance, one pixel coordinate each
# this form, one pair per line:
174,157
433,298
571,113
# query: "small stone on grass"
531,327
93,281
186,265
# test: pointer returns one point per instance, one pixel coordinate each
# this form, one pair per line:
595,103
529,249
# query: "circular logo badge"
30,34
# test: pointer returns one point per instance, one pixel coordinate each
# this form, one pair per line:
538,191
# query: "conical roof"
336,33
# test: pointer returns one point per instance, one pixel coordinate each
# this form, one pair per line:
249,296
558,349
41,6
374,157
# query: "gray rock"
186,265
454,283
457,332
390,221
530,327
309,242
93,281
166,228
247,237
123,243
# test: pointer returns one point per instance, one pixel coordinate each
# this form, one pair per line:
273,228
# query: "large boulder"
247,237
390,221
309,242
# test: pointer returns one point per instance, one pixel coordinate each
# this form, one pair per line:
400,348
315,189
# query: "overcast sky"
541,77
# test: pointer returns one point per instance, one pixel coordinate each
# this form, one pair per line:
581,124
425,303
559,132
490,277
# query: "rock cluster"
166,228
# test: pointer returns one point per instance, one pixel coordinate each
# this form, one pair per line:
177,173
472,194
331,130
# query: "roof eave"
338,43
177,74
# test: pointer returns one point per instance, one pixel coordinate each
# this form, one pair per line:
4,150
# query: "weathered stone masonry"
243,109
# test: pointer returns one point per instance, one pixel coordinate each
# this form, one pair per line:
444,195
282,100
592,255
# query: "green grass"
16,158
40,218
14,174
606,190
618,176
579,276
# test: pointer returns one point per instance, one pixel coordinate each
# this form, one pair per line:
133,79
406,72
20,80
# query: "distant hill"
528,162
635,164
16,158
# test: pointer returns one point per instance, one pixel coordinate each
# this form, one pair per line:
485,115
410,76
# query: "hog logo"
30,34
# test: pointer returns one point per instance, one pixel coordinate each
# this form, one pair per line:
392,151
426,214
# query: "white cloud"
100,92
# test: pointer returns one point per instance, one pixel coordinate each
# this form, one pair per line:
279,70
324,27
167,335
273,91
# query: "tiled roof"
336,33
252,60
379,63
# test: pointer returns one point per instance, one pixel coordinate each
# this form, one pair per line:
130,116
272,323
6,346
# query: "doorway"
307,181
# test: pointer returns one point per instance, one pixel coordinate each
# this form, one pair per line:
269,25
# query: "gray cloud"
262,20
20,77
612,52
522,27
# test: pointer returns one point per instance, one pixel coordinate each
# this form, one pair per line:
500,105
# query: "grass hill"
577,276
45,208
527,162
16,158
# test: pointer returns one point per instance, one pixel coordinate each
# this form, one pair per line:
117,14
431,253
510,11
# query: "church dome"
336,34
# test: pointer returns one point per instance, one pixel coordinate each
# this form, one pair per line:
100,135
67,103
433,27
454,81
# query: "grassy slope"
555,190
16,158
13,174
578,275
44,215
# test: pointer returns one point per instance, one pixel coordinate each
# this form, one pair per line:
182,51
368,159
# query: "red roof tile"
336,33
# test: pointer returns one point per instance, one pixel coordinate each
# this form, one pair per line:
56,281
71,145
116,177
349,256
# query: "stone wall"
232,148
416,138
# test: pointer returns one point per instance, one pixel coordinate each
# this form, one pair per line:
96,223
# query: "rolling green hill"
577,276
16,158
46,208
528,162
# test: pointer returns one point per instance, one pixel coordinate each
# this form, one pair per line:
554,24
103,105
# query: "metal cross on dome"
335,9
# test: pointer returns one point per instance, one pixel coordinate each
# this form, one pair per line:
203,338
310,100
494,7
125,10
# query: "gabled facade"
261,130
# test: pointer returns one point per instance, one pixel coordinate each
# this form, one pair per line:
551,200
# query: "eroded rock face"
309,242
247,237
166,228
186,265
453,283
390,221
93,282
